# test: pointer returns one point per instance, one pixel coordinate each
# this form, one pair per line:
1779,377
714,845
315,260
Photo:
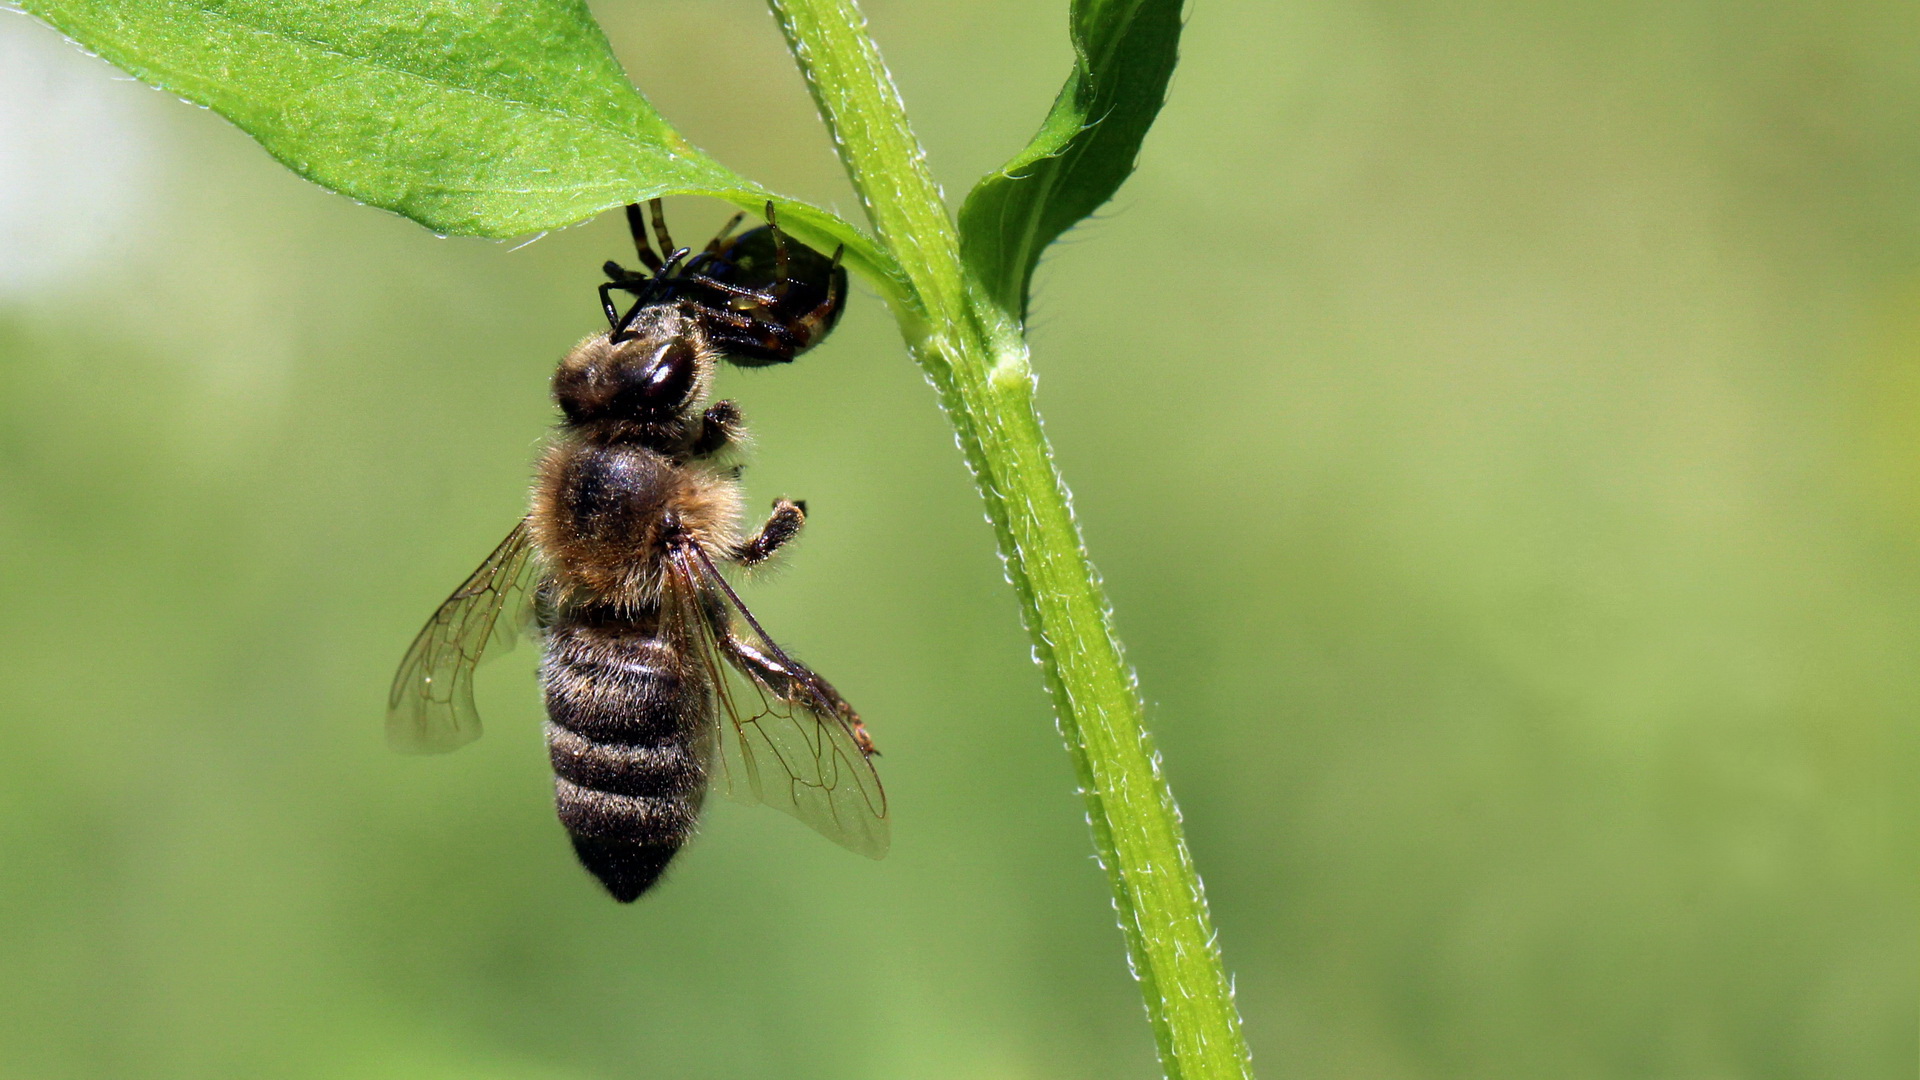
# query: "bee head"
655,372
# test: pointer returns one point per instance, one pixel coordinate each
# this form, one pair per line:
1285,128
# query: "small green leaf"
469,116
1124,53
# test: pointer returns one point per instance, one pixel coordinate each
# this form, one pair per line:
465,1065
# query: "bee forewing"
430,708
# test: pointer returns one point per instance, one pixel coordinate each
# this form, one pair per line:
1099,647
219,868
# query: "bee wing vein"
430,708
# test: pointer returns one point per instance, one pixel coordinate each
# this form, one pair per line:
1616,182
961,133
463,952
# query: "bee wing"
430,709
783,736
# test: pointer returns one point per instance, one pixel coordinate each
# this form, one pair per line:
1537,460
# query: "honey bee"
658,681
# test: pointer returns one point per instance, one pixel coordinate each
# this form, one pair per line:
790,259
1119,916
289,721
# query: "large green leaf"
1124,53
469,116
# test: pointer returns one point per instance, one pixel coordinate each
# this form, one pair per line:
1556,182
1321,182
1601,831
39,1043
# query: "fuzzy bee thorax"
604,514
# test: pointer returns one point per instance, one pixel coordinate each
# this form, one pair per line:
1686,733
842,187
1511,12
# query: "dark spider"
763,297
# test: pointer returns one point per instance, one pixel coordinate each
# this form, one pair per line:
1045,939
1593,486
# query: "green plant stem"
977,359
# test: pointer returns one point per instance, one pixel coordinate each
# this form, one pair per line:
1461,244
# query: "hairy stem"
977,358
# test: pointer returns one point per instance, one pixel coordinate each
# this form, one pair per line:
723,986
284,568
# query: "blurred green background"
1498,425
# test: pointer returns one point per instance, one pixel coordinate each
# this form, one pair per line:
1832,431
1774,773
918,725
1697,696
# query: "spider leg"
638,228
724,289
658,210
619,273
813,321
781,261
713,245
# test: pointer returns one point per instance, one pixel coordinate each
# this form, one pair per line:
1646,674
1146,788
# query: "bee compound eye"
667,380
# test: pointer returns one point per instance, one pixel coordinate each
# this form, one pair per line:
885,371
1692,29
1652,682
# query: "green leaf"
1124,53
469,116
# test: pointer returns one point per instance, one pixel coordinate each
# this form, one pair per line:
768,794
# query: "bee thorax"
604,516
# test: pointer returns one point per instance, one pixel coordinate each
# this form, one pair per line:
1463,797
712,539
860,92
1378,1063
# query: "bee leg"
719,426
782,525
790,680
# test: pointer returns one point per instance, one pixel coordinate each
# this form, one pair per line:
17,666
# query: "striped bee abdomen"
626,723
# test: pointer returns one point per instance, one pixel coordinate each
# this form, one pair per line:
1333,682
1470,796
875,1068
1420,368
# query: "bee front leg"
782,525
719,427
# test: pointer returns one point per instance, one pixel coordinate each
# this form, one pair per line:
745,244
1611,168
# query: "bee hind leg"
782,525
790,680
